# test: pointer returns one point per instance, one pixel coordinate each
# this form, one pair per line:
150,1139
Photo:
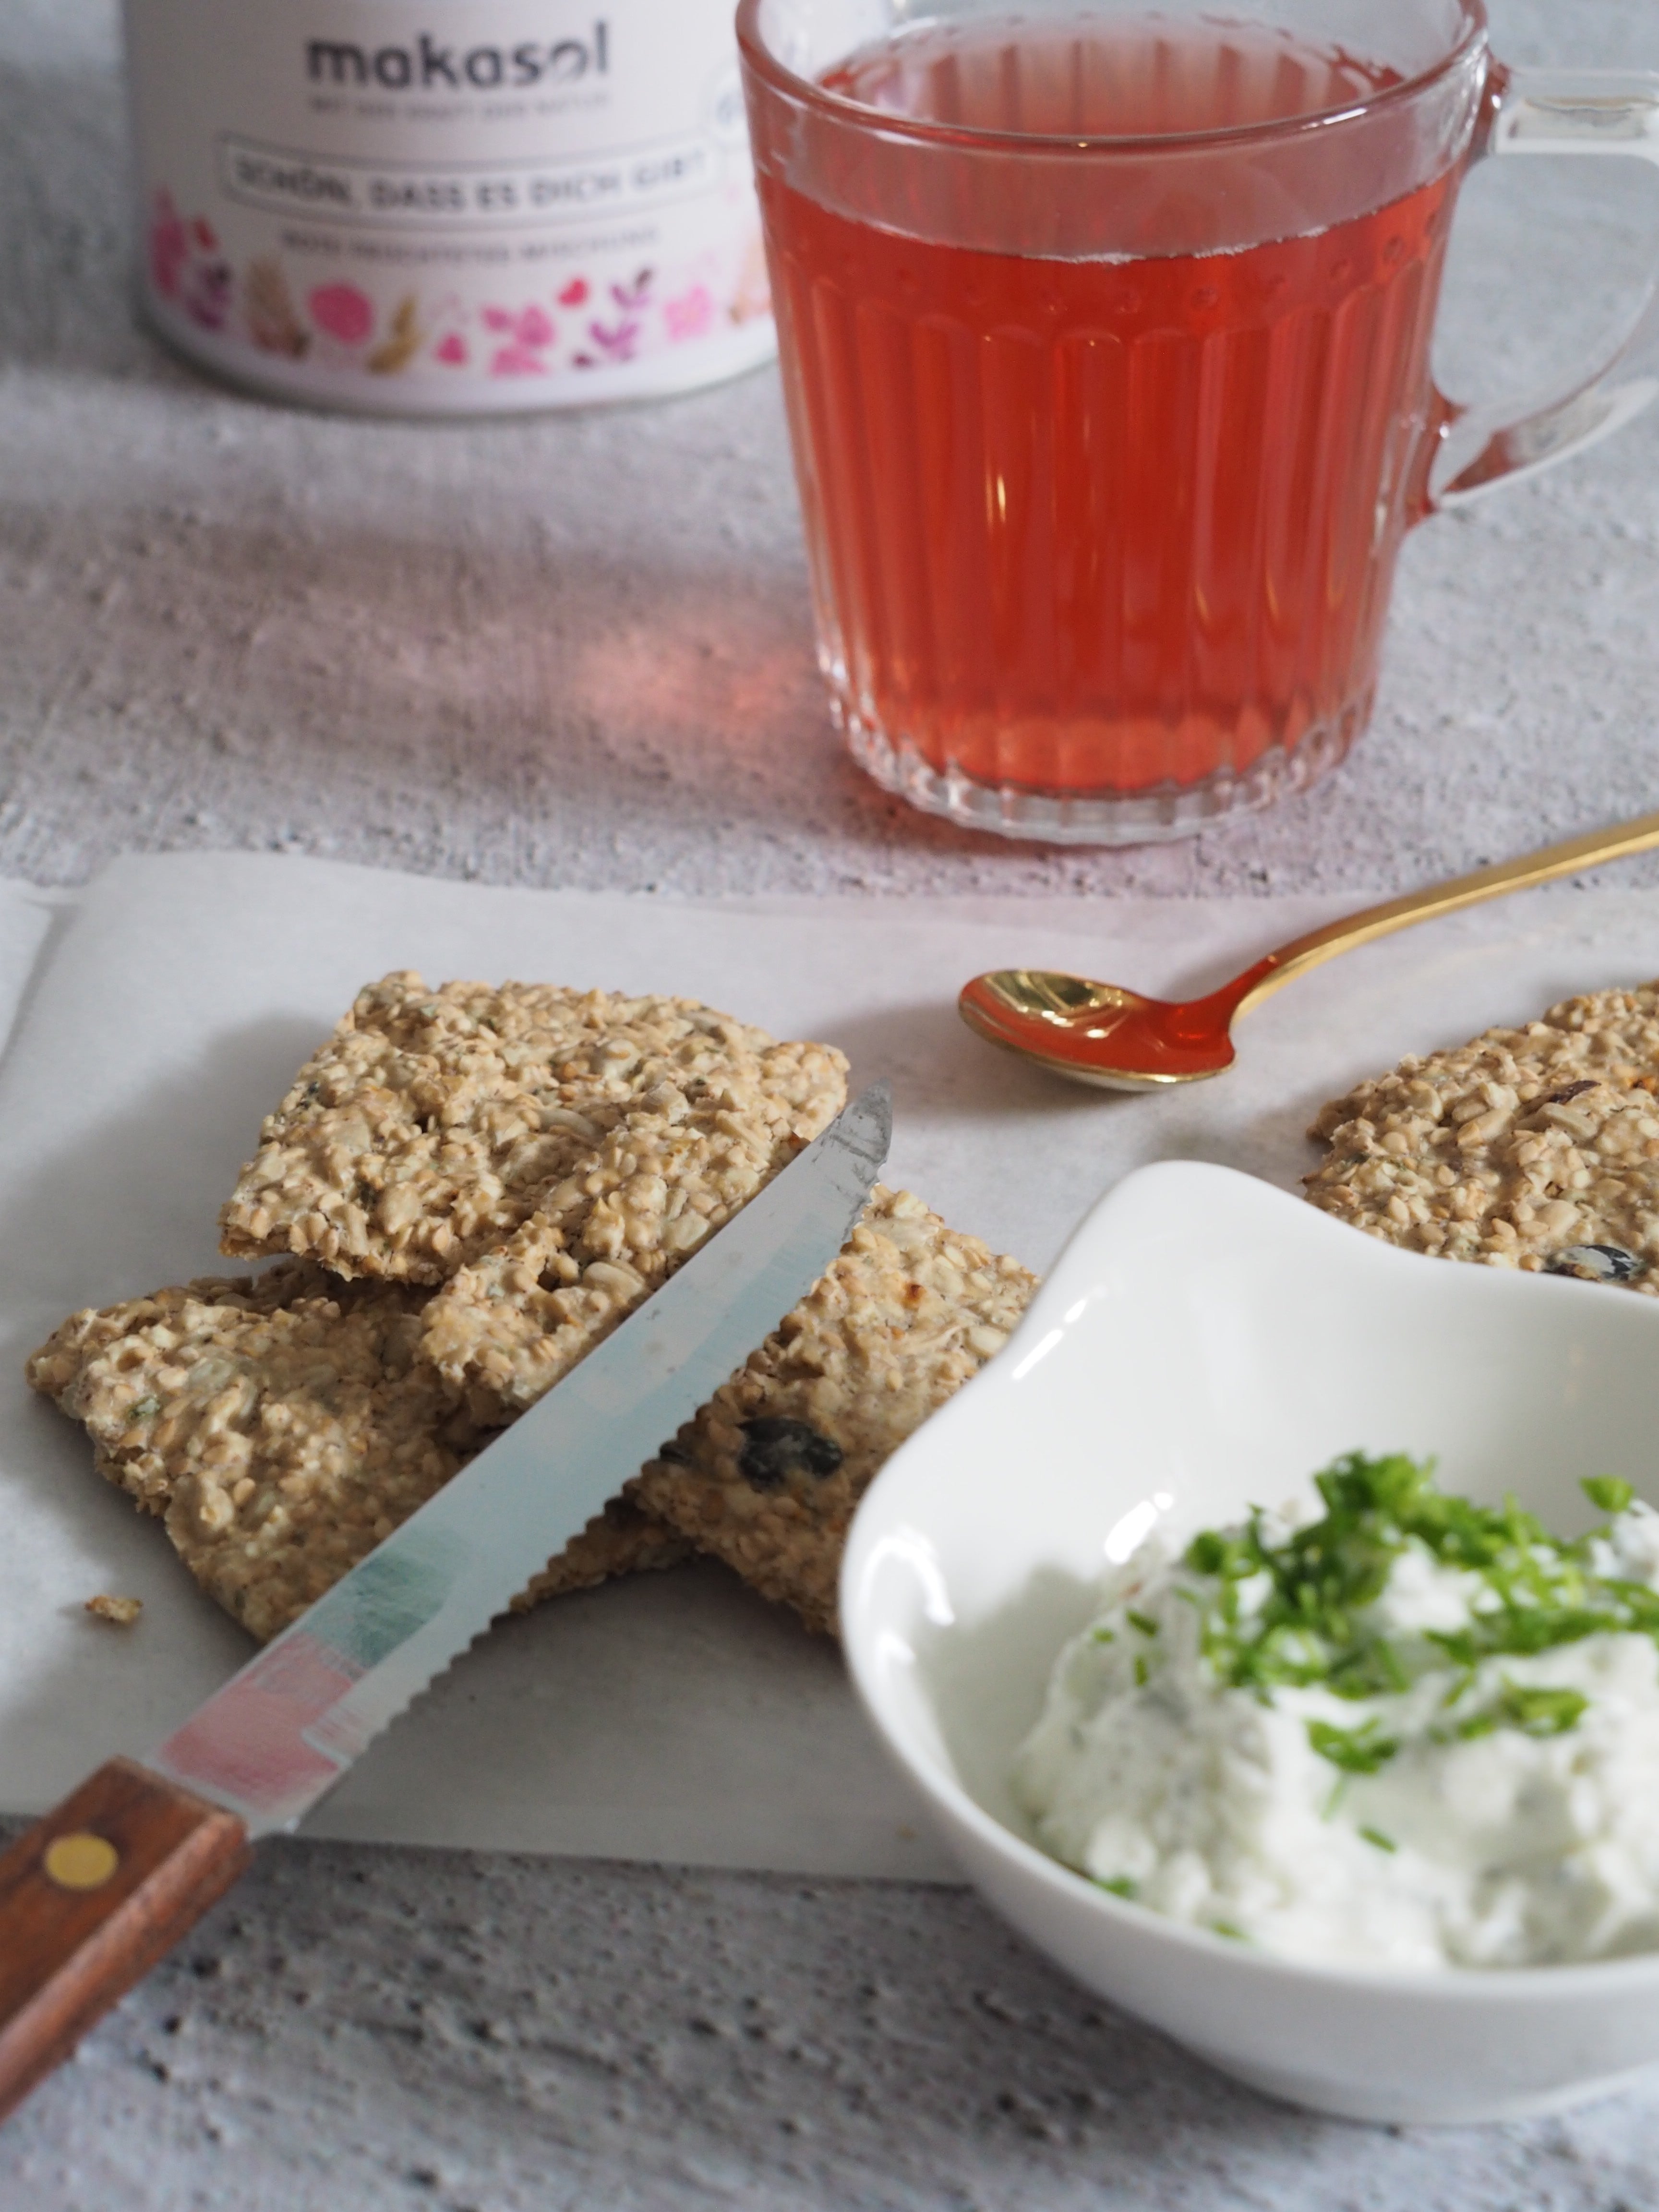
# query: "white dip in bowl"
1206,1342
1409,1732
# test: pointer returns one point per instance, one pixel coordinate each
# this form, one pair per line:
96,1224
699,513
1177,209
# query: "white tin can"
447,206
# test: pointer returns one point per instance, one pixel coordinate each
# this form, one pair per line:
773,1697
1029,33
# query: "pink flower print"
185,263
690,315
573,293
169,246
616,345
528,332
206,293
619,341
343,312
452,350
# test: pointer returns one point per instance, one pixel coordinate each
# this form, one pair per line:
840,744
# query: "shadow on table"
425,694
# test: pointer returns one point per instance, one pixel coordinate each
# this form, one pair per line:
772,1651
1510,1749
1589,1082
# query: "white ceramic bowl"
1206,1342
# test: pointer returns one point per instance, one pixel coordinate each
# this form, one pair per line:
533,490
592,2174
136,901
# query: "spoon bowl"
1116,1039
1100,1033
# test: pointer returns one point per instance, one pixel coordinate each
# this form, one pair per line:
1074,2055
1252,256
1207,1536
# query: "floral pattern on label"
591,320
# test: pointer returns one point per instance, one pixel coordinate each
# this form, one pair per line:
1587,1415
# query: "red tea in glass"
1106,337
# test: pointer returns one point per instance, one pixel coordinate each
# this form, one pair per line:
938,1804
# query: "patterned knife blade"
283,1731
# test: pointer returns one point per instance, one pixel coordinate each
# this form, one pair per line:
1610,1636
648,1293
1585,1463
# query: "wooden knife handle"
90,1898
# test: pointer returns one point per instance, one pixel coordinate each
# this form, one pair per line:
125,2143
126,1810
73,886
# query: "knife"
95,1894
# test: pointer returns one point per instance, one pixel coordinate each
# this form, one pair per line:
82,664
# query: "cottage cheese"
1478,1804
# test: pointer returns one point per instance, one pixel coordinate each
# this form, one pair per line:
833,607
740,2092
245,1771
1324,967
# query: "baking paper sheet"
670,1718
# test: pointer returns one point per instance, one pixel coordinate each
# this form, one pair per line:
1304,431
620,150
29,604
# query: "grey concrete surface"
364,2031
577,651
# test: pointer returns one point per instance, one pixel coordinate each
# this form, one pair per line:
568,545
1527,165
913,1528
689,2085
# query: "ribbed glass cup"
1108,431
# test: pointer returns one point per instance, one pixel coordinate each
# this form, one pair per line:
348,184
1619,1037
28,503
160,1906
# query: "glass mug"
1105,336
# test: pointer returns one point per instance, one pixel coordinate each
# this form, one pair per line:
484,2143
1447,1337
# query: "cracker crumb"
119,1612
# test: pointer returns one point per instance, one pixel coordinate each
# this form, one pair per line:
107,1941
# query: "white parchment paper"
670,1717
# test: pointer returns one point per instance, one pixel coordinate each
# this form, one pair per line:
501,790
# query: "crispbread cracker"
1535,1148
508,1326
282,1426
769,1472
430,1125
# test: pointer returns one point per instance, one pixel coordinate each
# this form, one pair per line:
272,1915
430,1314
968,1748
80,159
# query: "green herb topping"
1536,1712
1297,1611
1608,1492
1356,1751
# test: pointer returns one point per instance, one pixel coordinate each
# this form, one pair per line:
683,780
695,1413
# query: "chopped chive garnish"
1355,1751
1142,1671
1608,1492
1376,1836
1477,1724
1143,1621
1121,1885
1542,1711
1309,1616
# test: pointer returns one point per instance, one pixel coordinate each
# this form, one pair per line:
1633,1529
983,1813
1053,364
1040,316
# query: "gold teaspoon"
1100,1033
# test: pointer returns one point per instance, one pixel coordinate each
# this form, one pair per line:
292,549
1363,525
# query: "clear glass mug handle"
1549,110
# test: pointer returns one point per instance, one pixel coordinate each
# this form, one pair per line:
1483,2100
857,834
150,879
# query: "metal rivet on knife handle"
81,1861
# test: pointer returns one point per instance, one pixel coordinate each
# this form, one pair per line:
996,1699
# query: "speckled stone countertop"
577,652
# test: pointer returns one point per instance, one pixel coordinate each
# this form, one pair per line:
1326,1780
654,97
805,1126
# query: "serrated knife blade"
96,1892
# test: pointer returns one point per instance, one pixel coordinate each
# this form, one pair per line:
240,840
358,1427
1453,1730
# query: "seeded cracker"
281,1426
769,1472
431,1124
507,1327
1535,1148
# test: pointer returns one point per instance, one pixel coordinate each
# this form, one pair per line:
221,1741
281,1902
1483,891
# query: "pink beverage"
1112,531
